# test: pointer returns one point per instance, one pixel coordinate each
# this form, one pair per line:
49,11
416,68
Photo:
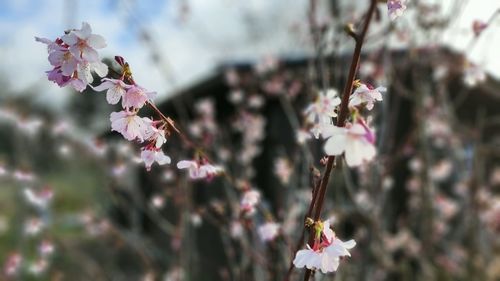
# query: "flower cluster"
396,8
356,139
74,57
249,200
326,251
128,123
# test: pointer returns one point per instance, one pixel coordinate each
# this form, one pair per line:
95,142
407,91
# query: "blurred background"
77,204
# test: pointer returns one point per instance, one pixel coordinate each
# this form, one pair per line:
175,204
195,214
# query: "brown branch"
343,113
315,185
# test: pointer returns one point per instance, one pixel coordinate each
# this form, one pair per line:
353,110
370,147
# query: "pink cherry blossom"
236,229
158,201
116,89
266,64
83,43
136,97
62,57
366,95
38,267
130,125
200,170
355,140
473,74
51,45
447,206
74,58
55,75
156,136
441,170
322,110
39,199
24,175
3,170
236,96
255,101
302,136
339,248
268,231
12,264
326,252
33,226
205,107
249,200
46,248
283,170
196,219
149,156
312,260
85,69
396,8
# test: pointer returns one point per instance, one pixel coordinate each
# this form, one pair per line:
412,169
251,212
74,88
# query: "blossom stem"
303,234
342,116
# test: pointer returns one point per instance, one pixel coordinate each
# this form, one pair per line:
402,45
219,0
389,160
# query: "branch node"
351,31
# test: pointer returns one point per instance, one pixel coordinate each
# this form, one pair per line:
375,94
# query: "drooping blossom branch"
74,58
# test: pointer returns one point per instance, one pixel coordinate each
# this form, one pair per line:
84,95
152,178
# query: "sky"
191,39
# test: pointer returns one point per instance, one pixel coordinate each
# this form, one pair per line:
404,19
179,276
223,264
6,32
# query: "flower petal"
328,130
183,164
103,86
335,145
96,41
100,68
161,158
83,33
114,94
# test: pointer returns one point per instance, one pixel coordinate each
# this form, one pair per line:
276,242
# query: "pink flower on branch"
39,198
326,252
13,264
152,152
249,200
116,89
357,141
85,69
156,136
200,169
322,110
268,231
473,74
46,248
366,95
396,8
136,97
130,125
83,44
283,170
51,45
74,58
151,155
62,57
